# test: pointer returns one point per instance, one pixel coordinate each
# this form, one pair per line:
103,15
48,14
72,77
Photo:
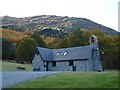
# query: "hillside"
63,24
12,35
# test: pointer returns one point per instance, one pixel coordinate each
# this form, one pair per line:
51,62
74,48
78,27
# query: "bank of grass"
10,66
108,79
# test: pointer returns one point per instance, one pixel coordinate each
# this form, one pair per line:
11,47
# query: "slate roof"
46,54
74,53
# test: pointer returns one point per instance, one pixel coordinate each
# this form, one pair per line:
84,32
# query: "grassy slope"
107,79
9,66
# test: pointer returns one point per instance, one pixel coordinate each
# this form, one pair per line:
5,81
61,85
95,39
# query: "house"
82,58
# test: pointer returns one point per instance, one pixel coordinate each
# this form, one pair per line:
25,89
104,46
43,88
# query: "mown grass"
107,79
9,66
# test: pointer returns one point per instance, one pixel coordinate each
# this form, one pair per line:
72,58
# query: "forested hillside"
12,35
63,24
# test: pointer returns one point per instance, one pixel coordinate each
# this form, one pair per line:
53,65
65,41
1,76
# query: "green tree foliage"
39,40
25,50
110,48
54,44
8,49
51,33
73,40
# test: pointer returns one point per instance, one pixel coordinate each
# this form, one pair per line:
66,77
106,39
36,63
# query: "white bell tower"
93,41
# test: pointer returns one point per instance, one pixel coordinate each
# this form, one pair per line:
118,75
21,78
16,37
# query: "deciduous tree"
25,50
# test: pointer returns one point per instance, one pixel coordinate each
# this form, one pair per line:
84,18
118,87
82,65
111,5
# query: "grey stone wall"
97,61
81,65
89,63
62,66
37,62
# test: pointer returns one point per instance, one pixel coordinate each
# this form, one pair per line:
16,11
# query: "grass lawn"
108,79
9,66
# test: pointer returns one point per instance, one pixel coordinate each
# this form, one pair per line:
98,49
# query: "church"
82,58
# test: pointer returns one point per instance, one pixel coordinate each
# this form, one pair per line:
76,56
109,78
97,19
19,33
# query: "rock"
20,67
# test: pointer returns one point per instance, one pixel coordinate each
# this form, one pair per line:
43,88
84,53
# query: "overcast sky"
104,12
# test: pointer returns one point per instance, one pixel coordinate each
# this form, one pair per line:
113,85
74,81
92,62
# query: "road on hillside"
11,78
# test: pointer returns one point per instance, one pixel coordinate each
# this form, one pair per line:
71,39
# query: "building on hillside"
82,58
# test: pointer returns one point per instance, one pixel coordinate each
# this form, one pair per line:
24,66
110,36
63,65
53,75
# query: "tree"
54,44
79,38
73,40
25,50
8,49
39,40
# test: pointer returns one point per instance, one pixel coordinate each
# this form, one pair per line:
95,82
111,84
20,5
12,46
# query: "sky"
104,12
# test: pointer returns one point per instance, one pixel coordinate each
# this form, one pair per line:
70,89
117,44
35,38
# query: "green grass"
107,79
9,66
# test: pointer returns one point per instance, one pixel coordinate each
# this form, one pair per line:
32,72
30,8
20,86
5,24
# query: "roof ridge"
66,48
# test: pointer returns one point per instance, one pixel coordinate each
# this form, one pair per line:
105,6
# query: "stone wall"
37,63
61,66
90,63
80,65
97,61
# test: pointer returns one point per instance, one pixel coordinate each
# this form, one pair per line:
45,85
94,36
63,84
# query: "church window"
70,63
53,63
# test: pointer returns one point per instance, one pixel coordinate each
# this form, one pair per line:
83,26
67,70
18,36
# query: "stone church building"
82,58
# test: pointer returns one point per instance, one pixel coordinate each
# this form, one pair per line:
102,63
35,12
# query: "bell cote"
93,40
